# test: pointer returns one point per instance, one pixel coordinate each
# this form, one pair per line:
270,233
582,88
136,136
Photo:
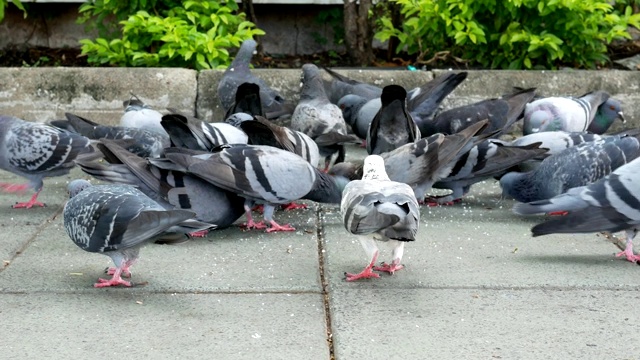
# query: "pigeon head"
76,186
373,168
393,92
606,114
517,185
312,87
134,104
541,120
244,55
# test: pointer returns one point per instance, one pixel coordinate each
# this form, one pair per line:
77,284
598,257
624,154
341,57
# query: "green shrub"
512,34
5,3
195,34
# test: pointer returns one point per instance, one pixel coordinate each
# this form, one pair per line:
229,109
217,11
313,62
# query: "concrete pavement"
475,286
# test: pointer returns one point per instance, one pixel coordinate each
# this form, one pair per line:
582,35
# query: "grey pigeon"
141,142
316,117
488,159
377,205
422,103
35,151
606,114
422,163
260,174
116,220
574,167
502,114
139,115
339,86
171,188
563,113
238,72
261,131
247,101
392,126
189,132
609,204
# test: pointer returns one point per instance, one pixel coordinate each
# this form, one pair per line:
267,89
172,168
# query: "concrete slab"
43,94
484,324
125,324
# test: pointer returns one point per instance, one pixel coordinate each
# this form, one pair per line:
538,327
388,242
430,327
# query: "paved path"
476,286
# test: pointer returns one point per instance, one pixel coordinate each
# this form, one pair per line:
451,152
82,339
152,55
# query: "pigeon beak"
535,130
621,116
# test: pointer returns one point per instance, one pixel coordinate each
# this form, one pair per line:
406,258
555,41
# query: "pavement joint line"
39,229
324,280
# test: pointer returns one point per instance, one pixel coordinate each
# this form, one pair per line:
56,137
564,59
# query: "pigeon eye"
612,107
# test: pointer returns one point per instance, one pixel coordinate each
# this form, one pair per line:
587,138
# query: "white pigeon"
387,209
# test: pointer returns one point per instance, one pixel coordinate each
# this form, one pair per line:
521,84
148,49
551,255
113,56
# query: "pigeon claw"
558,213
277,227
629,255
115,281
112,270
293,206
28,204
367,273
254,225
199,234
390,268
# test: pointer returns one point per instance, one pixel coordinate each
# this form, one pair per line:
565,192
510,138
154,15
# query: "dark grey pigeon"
141,142
502,114
189,132
238,72
247,101
36,151
263,132
574,167
392,126
139,115
172,189
377,205
318,118
116,220
565,113
610,204
339,86
263,175
485,160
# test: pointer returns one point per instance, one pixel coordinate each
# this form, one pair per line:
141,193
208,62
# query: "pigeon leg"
371,249
114,281
433,201
124,272
250,224
259,208
628,251
398,251
29,204
268,217
293,206
199,234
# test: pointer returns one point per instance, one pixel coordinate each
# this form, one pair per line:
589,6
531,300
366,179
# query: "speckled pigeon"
574,167
142,142
376,208
316,117
260,174
171,188
566,113
238,72
191,133
35,151
116,220
137,114
392,126
609,204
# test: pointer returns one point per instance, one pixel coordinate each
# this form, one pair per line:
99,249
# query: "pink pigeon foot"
558,213
115,280
293,206
628,253
390,268
367,273
254,225
363,144
432,201
29,204
199,234
112,270
277,227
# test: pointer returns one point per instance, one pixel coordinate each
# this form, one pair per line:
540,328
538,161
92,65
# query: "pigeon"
238,72
392,126
574,167
489,158
339,86
141,142
189,132
422,103
140,115
247,101
606,114
35,151
610,204
563,113
172,189
422,163
261,131
555,141
116,220
260,174
319,119
501,112
387,209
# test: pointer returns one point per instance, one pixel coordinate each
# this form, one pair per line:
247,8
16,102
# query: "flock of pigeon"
174,176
